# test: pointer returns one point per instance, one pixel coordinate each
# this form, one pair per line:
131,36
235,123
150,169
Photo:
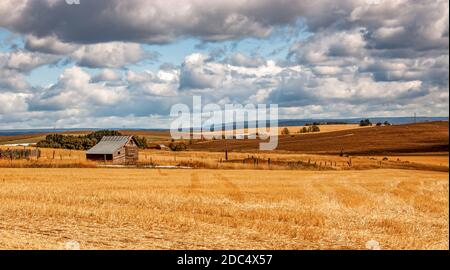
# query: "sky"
115,63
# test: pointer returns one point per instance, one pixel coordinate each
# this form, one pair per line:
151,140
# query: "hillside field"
410,138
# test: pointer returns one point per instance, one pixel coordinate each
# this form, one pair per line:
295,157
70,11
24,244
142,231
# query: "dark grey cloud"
428,70
146,21
293,93
388,24
389,52
195,73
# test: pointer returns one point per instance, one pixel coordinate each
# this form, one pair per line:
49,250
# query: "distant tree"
177,147
141,142
387,123
315,128
66,142
98,135
303,130
379,124
365,123
285,131
308,129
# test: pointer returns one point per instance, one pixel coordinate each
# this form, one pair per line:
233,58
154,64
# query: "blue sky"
174,53
274,47
110,62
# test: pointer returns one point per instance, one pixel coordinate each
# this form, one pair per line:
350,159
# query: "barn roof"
109,145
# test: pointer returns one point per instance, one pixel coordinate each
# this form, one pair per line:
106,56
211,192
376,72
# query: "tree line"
83,142
367,122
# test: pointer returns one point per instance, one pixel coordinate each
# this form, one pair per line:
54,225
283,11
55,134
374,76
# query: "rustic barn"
115,149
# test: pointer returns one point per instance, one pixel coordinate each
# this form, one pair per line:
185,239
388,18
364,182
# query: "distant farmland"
410,138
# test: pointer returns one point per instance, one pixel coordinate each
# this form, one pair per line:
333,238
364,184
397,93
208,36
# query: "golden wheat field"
222,209
294,129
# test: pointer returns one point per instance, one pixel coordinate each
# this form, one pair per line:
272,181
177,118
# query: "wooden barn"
115,149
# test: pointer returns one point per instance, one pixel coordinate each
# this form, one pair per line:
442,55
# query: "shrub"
141,142
303,130
315,128
177,147
98,135
67,142
308,129
365,123
285,131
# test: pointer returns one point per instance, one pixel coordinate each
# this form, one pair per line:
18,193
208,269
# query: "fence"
19,153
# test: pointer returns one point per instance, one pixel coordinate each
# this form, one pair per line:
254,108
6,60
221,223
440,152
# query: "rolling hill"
410,138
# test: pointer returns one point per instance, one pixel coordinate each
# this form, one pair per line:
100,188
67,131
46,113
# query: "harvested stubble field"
61,158
292,129
222,209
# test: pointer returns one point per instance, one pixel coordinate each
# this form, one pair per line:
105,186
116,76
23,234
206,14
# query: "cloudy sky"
116,63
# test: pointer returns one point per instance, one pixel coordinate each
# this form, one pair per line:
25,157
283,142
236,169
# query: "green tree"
177,147
365,123
141,142
315,128
98,135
